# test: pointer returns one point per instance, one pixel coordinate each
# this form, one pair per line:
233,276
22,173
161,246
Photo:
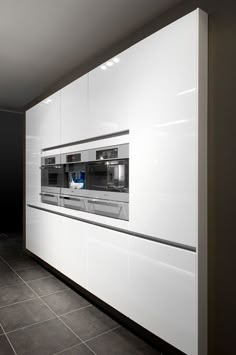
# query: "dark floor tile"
7,276
22,314
120,342
37,272
46,286
80,349
43,339
65,301
22,263
16,293
89,322
1,331
5,347
10,253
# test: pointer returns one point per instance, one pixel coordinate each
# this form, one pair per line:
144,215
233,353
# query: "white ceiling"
42,41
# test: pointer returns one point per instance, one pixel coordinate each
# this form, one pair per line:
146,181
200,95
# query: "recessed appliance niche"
94,181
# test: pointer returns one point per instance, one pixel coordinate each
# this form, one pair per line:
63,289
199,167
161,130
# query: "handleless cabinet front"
50,121
110,92
33,172
74,111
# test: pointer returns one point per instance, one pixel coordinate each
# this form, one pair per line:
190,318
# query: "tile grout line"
71,347
4,333
49,308
29,325
12,304
78,309
99,335
19,283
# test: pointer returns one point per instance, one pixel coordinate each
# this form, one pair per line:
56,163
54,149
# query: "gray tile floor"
40,315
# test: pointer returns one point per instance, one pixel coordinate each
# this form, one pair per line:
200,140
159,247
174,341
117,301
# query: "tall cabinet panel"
164,134
74,111
50,129
33,144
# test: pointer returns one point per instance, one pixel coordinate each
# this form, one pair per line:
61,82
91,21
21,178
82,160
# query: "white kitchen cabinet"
110,96
157,90
108,265
59,241
33,172
164,151
43,231
151,283
75,124
50,121
162,292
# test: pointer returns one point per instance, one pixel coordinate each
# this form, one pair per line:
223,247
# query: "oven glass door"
111,175
51,176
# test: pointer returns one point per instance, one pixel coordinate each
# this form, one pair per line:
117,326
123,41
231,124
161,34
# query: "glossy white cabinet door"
75,124
50,121
59,241
162,292
107,265
110,93
43,231
164,134
33,172
72,250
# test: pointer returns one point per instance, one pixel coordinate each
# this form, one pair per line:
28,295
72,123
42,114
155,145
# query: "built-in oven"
51,179
97,181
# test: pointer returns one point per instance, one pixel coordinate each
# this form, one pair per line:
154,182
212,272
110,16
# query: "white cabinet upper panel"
164,135
33,172
162,292
74,111
110,94
50,121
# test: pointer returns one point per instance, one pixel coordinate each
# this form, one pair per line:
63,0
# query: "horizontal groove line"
121,230
105,136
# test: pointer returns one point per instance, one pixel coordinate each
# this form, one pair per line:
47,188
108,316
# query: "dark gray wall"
11,177
222,181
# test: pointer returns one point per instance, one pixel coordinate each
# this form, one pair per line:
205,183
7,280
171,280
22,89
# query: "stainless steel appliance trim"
123,152
57,160
103,195
110,204
97,138
71,198
121,230
84,157
45,194
52,189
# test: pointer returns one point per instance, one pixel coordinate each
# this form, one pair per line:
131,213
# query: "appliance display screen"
51,160
107,154
73,158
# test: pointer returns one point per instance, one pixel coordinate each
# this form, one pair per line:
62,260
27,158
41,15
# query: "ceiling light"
103,67
47,101
116,60
110,63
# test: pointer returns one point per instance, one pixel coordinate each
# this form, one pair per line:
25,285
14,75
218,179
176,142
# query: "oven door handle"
110,204
48,195
70,198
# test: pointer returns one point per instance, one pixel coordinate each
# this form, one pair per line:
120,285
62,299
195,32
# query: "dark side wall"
11,176
222,181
